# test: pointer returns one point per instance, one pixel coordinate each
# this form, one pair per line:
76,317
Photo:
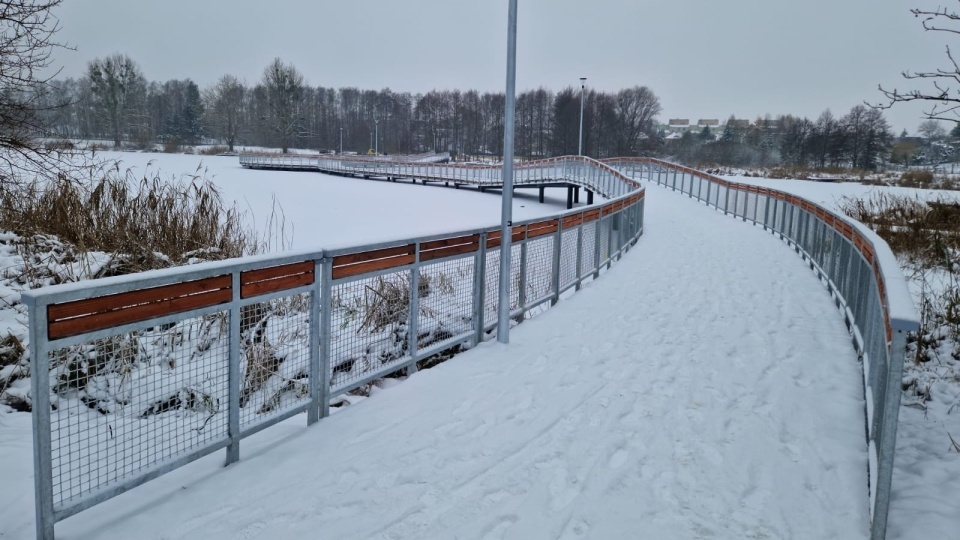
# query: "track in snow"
704,388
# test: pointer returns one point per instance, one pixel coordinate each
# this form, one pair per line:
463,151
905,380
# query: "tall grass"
151,220
925,236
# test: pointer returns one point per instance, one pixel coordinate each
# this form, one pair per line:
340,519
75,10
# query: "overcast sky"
703,58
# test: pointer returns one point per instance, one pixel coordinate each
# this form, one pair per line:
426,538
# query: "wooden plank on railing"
448,247
92,314
542,228
371,261
276,278
570,222
591,215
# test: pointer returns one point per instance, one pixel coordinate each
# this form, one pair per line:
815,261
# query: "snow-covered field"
323,210
690,393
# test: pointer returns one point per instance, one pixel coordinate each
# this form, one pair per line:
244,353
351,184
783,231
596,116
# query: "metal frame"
626,209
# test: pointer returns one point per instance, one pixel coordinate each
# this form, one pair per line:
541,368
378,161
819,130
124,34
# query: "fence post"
42,445
479,287
522,284
233,374
580,253
313,414
413,341
558,248
726,199
596,245
326,333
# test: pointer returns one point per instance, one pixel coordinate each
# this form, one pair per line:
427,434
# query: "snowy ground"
926,481
689,393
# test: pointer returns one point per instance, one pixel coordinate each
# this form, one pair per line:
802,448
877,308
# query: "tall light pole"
506,220
583,84
341,140
376,137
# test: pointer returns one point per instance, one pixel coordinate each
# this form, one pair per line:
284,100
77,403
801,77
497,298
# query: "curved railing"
859,270
574,170
151,371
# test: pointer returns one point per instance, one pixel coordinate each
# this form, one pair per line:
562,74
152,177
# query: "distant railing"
860,272
151,371
574,170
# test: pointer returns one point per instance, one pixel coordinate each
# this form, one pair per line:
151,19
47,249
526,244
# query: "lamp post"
376,136
583,84
506,220
341,140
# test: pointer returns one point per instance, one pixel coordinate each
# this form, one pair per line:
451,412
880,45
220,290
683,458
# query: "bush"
917,179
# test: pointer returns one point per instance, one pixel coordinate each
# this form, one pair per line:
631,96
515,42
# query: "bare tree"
27,30
225,103
284,89
944,97
119,89
636,109
931,129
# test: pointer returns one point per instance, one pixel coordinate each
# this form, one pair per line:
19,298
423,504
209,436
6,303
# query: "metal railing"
151,371
860,272
574,170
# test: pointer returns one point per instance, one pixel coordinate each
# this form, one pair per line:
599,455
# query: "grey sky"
703,58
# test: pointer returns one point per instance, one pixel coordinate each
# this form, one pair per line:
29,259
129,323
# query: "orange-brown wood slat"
364,256
493,239
449,251
447,242
591,215
133,298
101,321
572,221
274,272
543,231
372,266
273,285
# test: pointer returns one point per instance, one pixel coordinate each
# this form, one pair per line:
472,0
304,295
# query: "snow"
688,393
691,392
328,211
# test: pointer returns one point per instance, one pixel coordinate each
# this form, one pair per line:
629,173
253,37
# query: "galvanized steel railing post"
413,337
233,375
579,255
313,413
326,331
479,289
522,280
42,444
555,276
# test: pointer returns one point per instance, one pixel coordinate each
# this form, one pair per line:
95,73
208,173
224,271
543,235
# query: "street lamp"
376,137
341,140
506,219
583,84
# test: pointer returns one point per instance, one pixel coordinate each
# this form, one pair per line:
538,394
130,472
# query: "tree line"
115,102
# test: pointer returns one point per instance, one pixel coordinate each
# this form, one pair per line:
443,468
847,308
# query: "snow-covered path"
705,387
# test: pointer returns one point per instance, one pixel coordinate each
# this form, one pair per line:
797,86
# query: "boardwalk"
704,388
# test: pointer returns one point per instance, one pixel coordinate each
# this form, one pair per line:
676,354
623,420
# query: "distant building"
707,122
679,122
738,123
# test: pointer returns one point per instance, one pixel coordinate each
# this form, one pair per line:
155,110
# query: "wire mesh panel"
274,357
539,278
492,283
132,401
588,257
568,256
604,246
370,324
446,301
